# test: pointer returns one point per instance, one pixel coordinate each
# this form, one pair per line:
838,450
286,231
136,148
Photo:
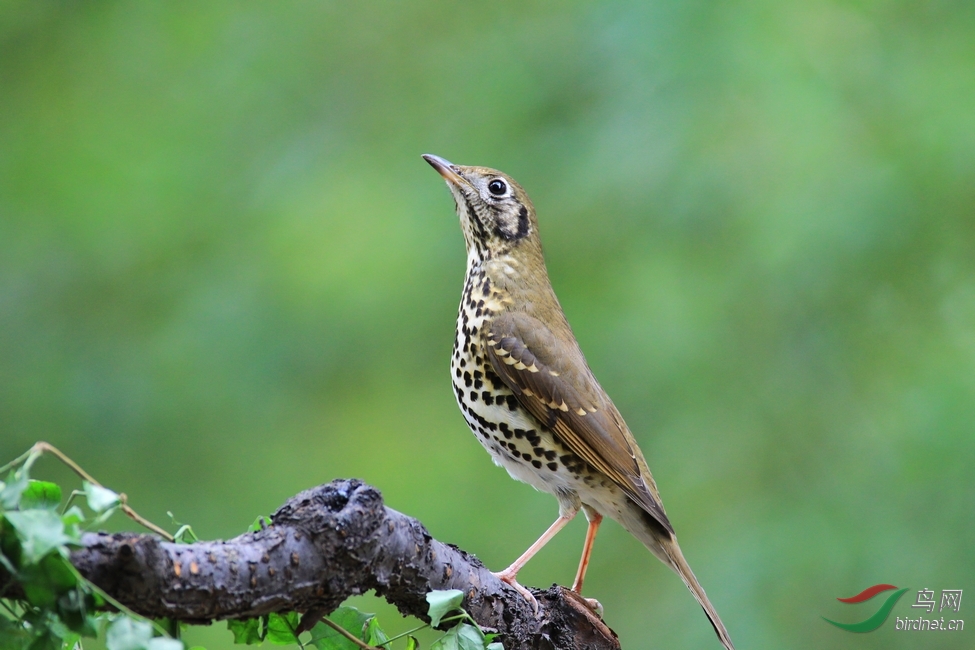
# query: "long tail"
663,544
679,564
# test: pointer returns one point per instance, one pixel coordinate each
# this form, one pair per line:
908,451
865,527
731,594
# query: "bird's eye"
497,187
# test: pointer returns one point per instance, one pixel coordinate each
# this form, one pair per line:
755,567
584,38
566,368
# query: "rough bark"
324,545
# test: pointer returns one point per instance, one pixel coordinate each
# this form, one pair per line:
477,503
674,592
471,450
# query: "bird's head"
495,213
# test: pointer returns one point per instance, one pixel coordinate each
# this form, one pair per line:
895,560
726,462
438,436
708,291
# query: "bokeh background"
226,275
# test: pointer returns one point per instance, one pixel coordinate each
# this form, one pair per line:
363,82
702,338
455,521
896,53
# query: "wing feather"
556,386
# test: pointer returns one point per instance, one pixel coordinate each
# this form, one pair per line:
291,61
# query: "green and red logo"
875,621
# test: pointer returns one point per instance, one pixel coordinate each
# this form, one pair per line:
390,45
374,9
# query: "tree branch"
324,545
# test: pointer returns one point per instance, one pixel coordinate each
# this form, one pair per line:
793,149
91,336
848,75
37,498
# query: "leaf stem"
46,447
348,635
400,636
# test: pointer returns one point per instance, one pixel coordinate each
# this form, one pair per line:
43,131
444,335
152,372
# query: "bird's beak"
446,169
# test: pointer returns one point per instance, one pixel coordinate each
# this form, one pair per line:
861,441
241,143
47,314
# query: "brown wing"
555,385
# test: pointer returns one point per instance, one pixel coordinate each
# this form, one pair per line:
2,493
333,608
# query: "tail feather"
679,564
663,544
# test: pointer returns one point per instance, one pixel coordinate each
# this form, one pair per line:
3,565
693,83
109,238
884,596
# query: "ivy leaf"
100,498
73,519
442,602
45,581
375,635
40,495
11,490
73,608
128,634
469,637
349,619
281,628
46,641
259,524
40,532
246,631
447,642
412,643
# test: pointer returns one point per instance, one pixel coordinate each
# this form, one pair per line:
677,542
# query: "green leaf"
447,642
164,643
13,635
281,628
246,631
349,619
11,490
39,531
442,602
73,608
374,634
73,519
100,498
259,524
412,643
495,646
184,534
40,494
45,581
469,637
126,633
46,641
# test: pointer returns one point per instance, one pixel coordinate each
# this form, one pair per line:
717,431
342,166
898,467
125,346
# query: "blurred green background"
226,275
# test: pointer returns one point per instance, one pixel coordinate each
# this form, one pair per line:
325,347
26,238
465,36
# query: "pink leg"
594,520
510,574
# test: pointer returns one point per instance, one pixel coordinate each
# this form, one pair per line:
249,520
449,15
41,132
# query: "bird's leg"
510,574
594,520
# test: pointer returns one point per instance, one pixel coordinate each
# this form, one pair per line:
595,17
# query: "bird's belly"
518,442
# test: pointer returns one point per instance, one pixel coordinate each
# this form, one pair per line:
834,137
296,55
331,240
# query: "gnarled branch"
324,545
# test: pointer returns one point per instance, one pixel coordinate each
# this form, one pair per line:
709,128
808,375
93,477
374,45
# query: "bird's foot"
595,606
508,577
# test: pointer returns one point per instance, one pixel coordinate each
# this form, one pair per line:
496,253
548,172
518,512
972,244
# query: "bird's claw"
595,606
509,578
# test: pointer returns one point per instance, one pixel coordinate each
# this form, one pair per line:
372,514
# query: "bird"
527,392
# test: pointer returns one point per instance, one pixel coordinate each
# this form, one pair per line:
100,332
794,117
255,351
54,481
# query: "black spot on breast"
496,381
519,433
487,397
537,464
467,379
538,451
553,466
473,396
478,384
550,454
505,429
512,402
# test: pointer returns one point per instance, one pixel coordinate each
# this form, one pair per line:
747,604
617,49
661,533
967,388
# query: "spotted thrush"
527,392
